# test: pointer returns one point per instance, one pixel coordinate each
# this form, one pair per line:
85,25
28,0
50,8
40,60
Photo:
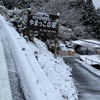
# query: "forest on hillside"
78,15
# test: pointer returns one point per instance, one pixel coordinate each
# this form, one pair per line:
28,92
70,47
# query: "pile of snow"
56,70
44,79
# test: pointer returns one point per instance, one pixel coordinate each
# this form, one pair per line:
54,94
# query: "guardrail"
92,61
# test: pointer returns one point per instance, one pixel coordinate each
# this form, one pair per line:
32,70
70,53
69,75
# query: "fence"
91,61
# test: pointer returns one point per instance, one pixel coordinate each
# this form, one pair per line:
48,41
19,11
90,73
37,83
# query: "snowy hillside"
44,79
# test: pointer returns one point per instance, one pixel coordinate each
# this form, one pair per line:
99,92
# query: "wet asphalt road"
88,85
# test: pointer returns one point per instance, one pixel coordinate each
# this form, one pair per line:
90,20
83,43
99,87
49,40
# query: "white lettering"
44,23
54,24
36,23
40,24
49,24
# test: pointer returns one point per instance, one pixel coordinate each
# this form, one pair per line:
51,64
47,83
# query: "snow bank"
56,70
34,83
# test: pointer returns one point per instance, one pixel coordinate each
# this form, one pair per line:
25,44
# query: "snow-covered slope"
56,70
44,79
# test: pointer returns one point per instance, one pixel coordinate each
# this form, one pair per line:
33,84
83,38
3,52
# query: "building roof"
88,42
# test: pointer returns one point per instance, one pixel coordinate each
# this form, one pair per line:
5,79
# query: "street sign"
43,22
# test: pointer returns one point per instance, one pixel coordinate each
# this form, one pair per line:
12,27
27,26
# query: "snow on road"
17,93
45,79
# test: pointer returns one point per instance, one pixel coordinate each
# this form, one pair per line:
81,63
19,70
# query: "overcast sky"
96,3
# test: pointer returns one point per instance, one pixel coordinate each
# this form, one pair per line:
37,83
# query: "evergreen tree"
96,28
81,3
98,11
10,4
89,15
90,18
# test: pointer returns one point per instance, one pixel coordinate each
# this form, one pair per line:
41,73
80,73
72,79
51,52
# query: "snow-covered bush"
78,30
66,33
18,19
4,12
11,4
16,16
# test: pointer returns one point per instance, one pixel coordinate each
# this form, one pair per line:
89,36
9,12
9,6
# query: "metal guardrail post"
91,61
86,60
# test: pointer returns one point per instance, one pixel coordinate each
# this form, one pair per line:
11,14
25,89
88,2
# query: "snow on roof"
79,42
42,14
92,41
70,49
88,42
90,59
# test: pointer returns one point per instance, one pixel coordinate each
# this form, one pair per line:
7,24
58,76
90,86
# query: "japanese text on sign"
38,23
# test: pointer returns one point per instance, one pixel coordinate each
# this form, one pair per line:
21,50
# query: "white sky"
96,3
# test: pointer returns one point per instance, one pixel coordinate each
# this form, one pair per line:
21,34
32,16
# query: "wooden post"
86,60
55,51
56,36
56,40
91,61
27,24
